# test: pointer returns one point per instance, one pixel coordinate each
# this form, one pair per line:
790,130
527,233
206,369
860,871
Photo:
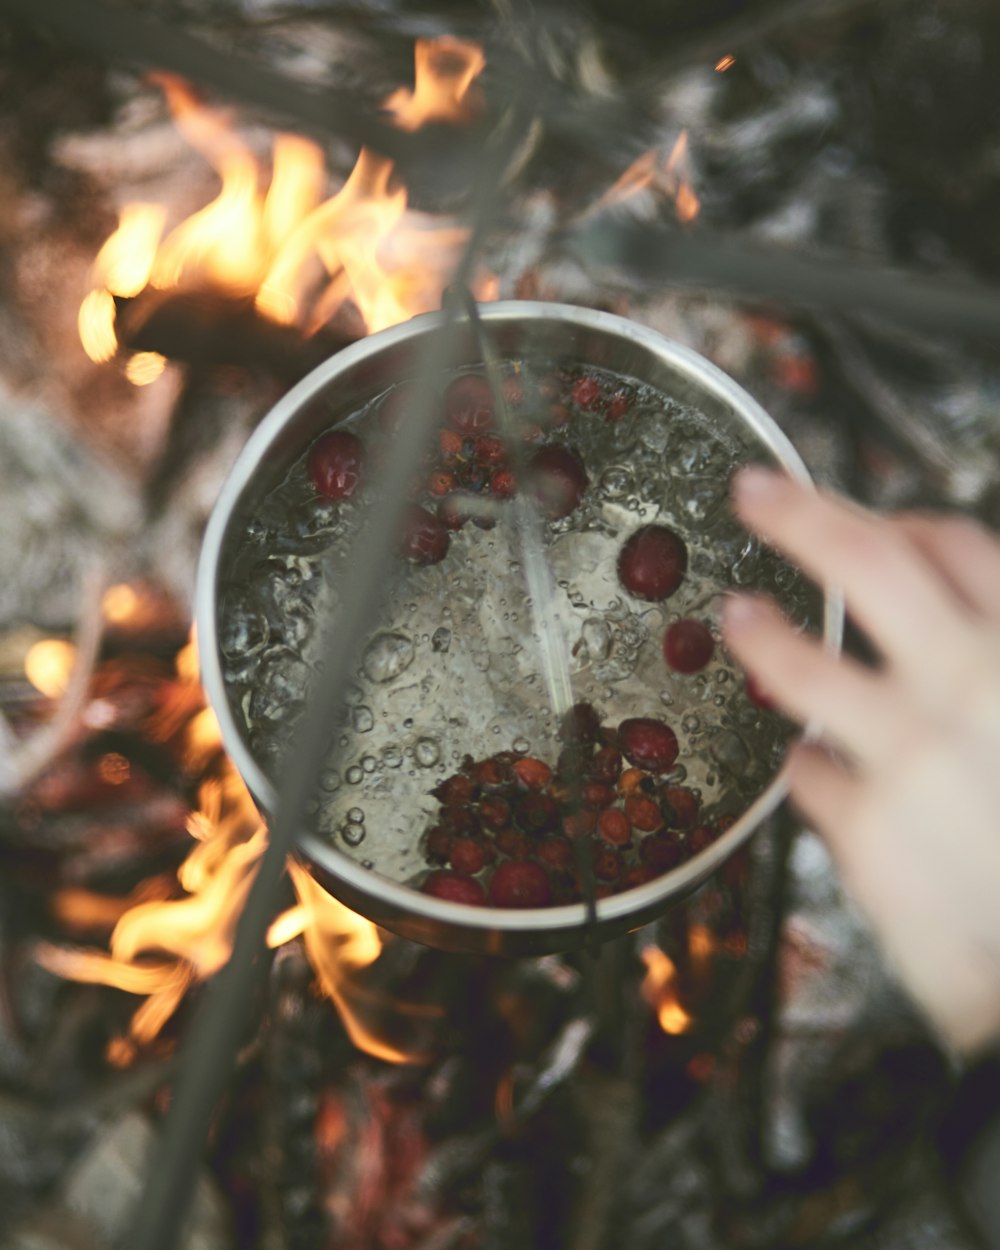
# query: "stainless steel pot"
362,372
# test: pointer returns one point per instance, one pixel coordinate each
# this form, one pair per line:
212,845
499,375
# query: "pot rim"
361,883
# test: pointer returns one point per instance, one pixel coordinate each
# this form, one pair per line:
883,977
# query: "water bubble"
353,834
426,752
392,756
521,745
691,723
386,656
356,816
408,723
595,634
368,763
243,633
353,775
362,719
329,780
368,863
719,700
666,698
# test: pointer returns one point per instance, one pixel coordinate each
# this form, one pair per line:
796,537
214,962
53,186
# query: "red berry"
468,404
559,480
503,484
680,806
514,844
520,884
494,812
701,837
597,794
535,774
454,887
460,820
513,390
613,826
492,772
437,845
467,856
556,853
441,482
453,511
643,813
652,562
536,813
639,875
336,462
606,764
490,450
619,406
425,539
688,646
607,863
587,392
582,821
648,743
456,790
451,444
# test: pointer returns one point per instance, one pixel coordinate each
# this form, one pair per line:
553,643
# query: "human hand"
906,789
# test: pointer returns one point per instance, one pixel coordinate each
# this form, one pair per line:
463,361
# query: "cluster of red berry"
507,824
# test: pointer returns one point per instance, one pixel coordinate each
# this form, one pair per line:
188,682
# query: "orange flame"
161,944
301,259
668,175
48,666
659,990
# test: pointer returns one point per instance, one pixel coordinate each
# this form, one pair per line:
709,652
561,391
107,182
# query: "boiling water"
455,667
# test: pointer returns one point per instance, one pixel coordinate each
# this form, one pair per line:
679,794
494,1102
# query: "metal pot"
362,372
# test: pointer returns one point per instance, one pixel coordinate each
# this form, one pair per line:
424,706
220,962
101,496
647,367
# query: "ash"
799,1104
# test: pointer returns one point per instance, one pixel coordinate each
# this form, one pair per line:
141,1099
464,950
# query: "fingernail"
741,611
755,483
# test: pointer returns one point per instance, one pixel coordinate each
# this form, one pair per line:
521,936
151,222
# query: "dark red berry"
536,813
425,539
451,444
559,480
452,886
492,772
559,414
660,852
468,404
467,856
613,826
453,510
597,794
607,863
580,724
701,837
618,406
494,812
456,790
652,562
490,450
520,884
680,806
503,484
582,821
514,844
441,482
606,764
437,844
587,392
336,462
688,646
460,820
648,744
643,813
535,774
556,854
638,875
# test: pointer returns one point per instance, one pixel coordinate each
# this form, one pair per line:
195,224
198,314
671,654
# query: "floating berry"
688,646
536,813
533,773
587,392
461,820
556,854
451,444
680,806
631,780
441,482
468,404
613,826
701,837
425,539
437,845
455,888
494,812
648,744
456,790
580,724
493,771
606,764
467,856
660,852
559,480
582,821
619,406
652,562
513,390
520,884
639,874
643,813
336,462
503,484
607,863
514,844
597,794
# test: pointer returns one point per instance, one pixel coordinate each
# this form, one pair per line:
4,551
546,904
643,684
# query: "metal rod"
208,1054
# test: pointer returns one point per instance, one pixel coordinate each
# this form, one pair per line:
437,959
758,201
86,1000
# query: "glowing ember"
724,63
301,259
48,665
659,990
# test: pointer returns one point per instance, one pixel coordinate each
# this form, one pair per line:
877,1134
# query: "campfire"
681,1084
